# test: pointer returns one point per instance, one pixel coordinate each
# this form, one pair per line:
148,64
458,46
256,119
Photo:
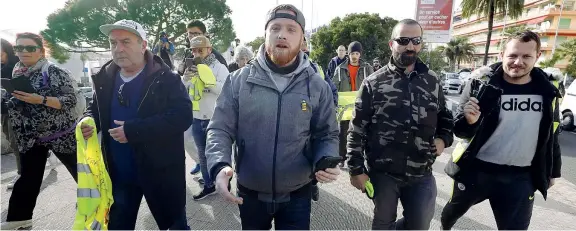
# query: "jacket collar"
344,64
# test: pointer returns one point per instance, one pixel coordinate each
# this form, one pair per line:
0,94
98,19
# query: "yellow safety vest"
463,144
94,193
346,101
205,78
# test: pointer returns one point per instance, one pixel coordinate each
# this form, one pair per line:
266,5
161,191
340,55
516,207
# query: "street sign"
85,70
435,17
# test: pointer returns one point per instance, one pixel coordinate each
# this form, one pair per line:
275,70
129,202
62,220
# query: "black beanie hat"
354,47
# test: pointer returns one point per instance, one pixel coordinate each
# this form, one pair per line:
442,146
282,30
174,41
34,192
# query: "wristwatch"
45,100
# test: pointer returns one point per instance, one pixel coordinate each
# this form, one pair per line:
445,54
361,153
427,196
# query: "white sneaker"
14,225
13,181
52,161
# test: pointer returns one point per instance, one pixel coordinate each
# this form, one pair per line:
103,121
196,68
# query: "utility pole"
557,27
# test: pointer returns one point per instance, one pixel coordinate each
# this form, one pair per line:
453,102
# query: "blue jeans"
124,211
292,215
418,197
199,132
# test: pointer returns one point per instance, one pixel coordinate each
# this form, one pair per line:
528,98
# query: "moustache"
409,52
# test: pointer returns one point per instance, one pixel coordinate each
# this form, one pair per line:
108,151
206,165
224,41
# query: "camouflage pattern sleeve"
360,122
445,126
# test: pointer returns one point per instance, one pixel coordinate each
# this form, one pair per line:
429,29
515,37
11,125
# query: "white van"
568,108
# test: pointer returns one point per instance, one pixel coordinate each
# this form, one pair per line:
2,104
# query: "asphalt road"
567,145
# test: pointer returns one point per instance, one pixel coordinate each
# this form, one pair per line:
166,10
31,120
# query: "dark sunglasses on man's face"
403,41
29,48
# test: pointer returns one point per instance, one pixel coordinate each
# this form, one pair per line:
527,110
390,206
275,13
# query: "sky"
248,16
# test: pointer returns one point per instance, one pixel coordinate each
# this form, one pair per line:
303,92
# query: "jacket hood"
153,64
304,62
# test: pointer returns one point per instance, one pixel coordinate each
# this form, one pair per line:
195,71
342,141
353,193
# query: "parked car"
452,83
87,92
568,108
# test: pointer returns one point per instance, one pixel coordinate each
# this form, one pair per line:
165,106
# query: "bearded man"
399,126
281,114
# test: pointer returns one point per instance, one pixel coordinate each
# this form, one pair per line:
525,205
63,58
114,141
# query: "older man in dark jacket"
142,109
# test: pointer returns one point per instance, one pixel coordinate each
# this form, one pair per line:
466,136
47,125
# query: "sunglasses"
121,99
29,48
199,49
403,41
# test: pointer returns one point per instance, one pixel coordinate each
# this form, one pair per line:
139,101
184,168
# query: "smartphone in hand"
328,162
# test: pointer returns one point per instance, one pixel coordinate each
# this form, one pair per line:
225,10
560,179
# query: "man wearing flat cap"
281,115
142,110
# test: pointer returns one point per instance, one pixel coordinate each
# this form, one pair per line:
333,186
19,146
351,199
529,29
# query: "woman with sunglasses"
42,121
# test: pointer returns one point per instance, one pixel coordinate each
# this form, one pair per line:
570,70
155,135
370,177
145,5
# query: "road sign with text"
435,16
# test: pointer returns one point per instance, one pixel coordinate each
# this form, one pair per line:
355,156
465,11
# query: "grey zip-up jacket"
342,76
280,135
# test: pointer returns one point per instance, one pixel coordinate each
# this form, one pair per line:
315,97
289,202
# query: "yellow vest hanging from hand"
205,78
94,193
346,100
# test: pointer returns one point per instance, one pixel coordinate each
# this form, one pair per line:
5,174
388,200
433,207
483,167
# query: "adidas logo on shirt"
526,103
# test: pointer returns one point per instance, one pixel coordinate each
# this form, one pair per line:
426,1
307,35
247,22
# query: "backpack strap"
45,76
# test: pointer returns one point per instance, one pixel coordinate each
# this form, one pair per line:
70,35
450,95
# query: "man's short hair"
197,23
524,36
407,21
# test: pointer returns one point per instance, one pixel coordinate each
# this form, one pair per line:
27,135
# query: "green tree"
255,44
457,50
567,50
370,30
488,8
434,59
75,28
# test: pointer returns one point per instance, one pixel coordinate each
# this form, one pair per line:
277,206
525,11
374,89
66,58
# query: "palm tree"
457,50
489,8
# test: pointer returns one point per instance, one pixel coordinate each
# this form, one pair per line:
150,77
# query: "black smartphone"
328,162
18,84
487,95
7,84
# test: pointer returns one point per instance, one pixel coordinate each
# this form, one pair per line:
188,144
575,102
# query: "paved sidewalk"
340,206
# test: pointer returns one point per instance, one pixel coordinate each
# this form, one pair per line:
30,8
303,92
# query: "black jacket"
547,159
157,136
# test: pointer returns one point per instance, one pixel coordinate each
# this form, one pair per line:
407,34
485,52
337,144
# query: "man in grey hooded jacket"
281,114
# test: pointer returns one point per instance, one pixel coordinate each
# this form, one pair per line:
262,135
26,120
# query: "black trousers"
27,188
511,197
344,125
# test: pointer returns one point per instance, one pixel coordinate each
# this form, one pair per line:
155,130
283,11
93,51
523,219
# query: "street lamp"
557,27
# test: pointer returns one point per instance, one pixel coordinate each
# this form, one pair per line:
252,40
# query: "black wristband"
45,100
355,171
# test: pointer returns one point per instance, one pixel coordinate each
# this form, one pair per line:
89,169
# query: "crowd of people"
272,119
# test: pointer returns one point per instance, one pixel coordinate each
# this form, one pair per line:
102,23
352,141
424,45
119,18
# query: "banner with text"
435,16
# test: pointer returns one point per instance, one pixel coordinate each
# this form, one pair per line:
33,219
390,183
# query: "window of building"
564,23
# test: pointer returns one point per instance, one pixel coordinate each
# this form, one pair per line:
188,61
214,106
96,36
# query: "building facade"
547,17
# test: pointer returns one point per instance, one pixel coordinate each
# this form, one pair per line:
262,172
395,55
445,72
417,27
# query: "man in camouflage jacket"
400,125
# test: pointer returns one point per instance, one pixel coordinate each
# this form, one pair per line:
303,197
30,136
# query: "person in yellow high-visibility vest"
207,82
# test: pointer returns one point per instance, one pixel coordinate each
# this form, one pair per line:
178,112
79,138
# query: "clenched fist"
472,111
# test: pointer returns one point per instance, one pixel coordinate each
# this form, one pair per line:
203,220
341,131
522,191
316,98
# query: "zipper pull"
304,105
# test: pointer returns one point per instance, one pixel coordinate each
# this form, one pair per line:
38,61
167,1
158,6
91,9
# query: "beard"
404,59
282,56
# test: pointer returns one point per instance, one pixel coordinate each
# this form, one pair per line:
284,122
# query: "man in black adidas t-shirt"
510,147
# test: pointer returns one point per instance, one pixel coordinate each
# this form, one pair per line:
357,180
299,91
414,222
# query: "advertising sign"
435,16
